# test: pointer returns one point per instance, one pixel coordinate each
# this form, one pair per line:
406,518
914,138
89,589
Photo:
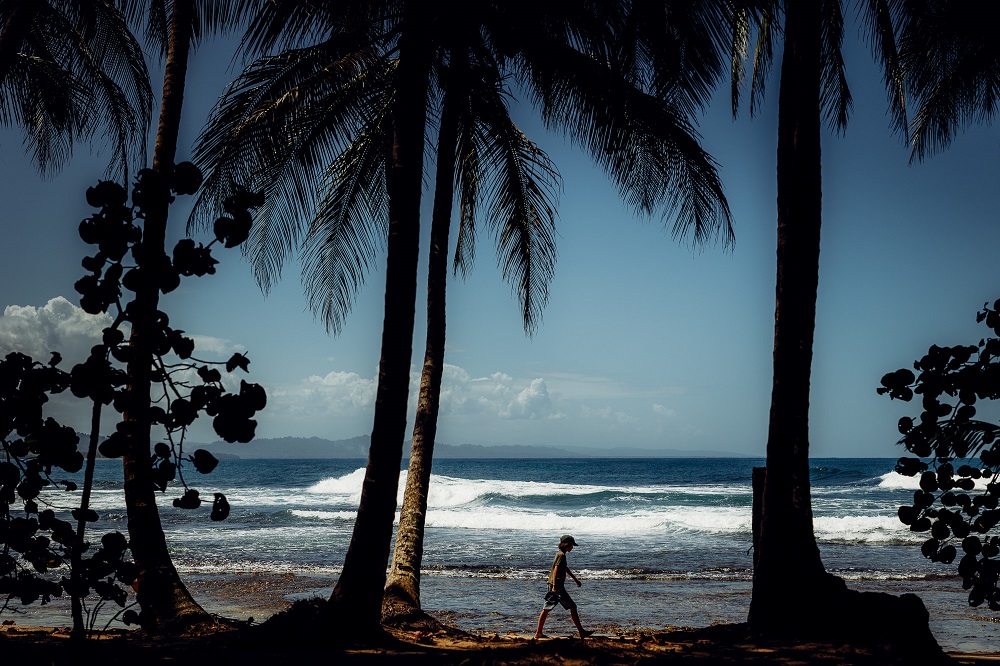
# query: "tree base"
834,613
403,616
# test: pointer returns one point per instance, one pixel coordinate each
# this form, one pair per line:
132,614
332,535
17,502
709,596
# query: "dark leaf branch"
116,232
956,456
35,542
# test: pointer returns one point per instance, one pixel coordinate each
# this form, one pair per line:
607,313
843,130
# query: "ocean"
662,542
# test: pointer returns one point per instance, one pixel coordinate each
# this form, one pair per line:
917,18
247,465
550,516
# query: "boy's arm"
575,579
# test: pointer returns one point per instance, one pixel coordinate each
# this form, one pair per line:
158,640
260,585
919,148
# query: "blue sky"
645,343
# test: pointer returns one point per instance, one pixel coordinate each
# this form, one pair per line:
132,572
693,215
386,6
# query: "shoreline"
490,608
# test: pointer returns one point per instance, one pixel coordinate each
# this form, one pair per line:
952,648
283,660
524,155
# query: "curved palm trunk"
164,599
356,603
402,591
788,552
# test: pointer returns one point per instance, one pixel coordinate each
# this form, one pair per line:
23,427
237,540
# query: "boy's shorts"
560,597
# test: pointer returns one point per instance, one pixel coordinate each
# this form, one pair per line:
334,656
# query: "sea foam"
446,491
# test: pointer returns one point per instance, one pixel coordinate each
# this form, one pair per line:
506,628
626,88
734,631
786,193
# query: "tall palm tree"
174,26
675,54
480,147
70,70
812,85
345,110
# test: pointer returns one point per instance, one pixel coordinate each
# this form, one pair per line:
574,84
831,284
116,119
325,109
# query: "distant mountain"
357,447
295,447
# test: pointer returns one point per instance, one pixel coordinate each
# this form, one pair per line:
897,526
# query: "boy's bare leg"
541,622
576,620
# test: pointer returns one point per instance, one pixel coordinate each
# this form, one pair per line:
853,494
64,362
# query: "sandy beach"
669,623
721,644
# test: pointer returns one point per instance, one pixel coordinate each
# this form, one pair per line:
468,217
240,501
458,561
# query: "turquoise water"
662,541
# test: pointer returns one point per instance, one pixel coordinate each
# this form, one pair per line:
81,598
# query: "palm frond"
648,148
688,61
276,130
290,24
882,20
763,58
99,50
949,54
519,186
835,95
48,110
468,178
350,226
81,73
216,17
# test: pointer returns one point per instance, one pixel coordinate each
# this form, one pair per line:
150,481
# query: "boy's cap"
568,539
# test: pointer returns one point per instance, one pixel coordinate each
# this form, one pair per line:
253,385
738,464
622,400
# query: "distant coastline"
357,447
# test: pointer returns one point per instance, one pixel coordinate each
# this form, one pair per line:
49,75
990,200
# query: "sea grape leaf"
204,461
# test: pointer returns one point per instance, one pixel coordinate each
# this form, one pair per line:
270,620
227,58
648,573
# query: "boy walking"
557,588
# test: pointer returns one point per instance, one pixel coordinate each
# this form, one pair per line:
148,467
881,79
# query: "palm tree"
344,111
163,597
70,70
478,142
680,50
812,84
950,58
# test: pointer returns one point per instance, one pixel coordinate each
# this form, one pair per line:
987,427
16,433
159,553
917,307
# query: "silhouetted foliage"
33,446
957,457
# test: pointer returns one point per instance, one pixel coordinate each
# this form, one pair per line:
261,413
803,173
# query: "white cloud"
220,346
63,327
492,407
336,393
664,411
497,395
57,326
531,403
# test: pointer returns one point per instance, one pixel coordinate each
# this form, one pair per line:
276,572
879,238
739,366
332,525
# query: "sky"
646,342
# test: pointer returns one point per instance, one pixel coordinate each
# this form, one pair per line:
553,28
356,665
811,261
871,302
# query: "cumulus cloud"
498,395
63,327
336,394
57,326
531,403
664,411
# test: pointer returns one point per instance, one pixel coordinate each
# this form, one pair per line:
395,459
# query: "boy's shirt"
557,574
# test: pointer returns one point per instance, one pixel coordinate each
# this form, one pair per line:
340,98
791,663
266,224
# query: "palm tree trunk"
164,599
356,603
788,553
788,566
402,592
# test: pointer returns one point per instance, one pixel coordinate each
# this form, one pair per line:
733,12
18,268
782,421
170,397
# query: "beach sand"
636,621
721,644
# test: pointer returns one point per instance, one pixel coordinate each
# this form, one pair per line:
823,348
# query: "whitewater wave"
862,529
673,520
894,481
446,491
